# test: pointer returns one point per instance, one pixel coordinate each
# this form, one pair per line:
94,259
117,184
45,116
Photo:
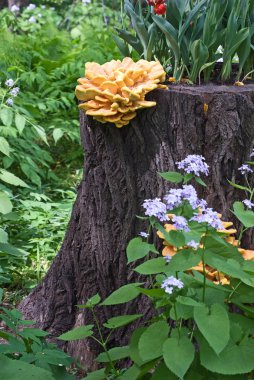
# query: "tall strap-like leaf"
137,24
170,34
193,13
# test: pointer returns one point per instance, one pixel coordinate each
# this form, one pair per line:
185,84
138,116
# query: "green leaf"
124,294
115,353
96,375
214,325
20,122
91,302
115,322
6,115
183,260
4,146
246,217
77,333
178,355
17,369
11,179
132,373
200,182
151,341
133,346
137,249
236,358
152,266
163,373
5,203
41,133
170,34
235,185
57,134
172,177
13,251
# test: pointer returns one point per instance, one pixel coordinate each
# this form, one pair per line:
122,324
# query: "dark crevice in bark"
120,171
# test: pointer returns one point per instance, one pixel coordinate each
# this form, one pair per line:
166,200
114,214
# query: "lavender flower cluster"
175,197
171,283
155,207
13,91
210,217
195,164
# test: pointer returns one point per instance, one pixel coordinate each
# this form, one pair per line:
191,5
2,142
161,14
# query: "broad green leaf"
5,203
183,260
200,181
20,122
115,322
236,358
152,266
163,373
170,34
124,294
96,375
6,114
4,146
57,134
188,301
17,369
91,302
172,177
246,217
138,249
1,295
151,341
13,251
178,355
214,325
11,179
132,373
77,333
133,346
115,353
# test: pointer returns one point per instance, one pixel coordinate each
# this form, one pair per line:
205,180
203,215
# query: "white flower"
143,234
39,15
9,82
167,258
85,2
31,7
32,20
15,8
43,6
193,244
9,102
248,203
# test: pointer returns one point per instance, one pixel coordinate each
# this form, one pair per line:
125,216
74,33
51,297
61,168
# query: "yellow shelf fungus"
114,91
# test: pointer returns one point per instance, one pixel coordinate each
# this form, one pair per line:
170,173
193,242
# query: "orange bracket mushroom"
114,91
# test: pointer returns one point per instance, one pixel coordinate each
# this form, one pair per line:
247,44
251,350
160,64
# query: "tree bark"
120,171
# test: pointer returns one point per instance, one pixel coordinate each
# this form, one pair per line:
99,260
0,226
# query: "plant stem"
103,343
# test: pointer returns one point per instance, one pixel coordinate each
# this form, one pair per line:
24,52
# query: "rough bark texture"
119,173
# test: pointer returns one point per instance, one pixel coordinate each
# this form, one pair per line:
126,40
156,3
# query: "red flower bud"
160,9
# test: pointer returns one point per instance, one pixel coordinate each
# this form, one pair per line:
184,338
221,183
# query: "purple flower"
154,207
143,234
9,82
195,164
32,20
31,7
180,223
170,283
210,217
252,153
248,203
173,198
14,92
9,102
193,244
167,258
244,169
15,8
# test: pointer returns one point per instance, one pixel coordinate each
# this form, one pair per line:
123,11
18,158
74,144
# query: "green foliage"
194,332
27,353
192,36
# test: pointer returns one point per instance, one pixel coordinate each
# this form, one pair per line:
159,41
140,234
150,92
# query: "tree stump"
120,171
